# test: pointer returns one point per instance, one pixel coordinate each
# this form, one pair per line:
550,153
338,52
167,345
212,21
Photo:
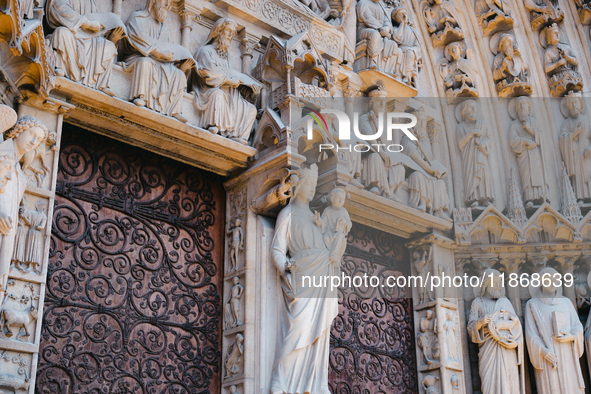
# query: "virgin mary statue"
306,313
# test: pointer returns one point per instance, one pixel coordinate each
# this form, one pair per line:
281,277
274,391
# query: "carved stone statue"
232,307
158,66
427,338
335,224
495,327
575,145
421,258
554,338
451,338
430,384
458,73
233,361
475,145
493,15
347,23
525,139
510,71
25,136
560,63
306,314
441,22
584,11
219,90
406,36
543,12
236,235
374,38
85,41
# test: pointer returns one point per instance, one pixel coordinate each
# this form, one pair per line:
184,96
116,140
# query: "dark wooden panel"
135,274
372,342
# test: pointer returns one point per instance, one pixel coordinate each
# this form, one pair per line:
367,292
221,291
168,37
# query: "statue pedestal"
372,78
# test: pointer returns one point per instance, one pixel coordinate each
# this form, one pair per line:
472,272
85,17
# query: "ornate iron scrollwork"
372,341
133,301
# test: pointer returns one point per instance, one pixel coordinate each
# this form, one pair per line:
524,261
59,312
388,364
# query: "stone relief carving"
233,360
495,327
475,146
459,76
406,36
441,21
158,66
321,8
335,224
347,24
451,334
427,338
510,71
421,258
298,249
525,140
233,389
29,245
560,63
273,194
493,15
236,243
554,338
36,163
85,41
575,144
24,137
232,308
543,12
15,371
15,321
584,11
220,92
430,384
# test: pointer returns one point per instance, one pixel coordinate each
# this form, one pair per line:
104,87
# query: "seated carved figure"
441,22
457,72
219,90
510,71
158,66
405,35
560,63
374,38
85,41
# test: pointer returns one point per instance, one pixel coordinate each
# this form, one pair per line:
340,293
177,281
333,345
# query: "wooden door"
132,303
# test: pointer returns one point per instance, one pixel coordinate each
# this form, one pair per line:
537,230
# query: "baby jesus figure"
335,224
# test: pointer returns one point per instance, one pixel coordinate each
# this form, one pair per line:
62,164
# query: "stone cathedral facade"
159,166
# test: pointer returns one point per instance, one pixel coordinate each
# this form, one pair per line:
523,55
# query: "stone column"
188,13
20,335
438,324
248,44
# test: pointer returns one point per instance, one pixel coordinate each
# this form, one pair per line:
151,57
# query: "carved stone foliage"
16,371
442,23
372,341
510,71
560,62
133,298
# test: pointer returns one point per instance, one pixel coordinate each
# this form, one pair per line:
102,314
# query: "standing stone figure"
25,136
554,338
375,26
525,140
495,327
85,41
406,36
35,240
575,146
427,338
475,145
306,313
451,341
232,307
373,174
347,23
560,63
219,90
236,235
157,65
233,361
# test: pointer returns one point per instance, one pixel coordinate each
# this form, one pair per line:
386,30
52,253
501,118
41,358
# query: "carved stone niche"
15,375
19,312
560,62
493,15
293,68
510,71
270,133
442,22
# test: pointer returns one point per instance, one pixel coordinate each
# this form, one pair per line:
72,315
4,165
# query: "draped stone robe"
222,106
406,37
475,164
83,59
305,314
573,149
160,83
531,165
566,378
374,172
497,364
371,17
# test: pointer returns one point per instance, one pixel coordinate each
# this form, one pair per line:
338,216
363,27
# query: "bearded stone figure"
575,145
306,313
219,91
85,41
495,327
525,140
475,145
406,36
25,136
554,336
510,71
158,66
